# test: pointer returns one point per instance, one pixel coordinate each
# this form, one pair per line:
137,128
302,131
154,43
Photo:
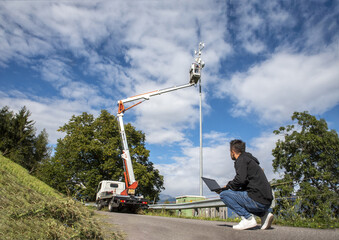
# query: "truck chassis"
121,203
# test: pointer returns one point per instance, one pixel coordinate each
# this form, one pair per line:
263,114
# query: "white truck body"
109,193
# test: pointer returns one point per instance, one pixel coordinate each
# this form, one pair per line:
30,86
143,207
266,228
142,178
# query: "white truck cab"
106,188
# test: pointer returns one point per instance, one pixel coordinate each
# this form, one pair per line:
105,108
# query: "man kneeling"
249,192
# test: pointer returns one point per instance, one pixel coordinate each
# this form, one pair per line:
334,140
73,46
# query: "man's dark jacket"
251,178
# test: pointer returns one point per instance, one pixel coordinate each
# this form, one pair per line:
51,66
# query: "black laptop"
212,184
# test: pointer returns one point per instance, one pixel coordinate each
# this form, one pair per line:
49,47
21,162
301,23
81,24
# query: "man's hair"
238,146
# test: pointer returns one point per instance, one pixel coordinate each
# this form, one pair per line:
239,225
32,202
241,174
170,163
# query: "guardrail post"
196,213
201,212
223,213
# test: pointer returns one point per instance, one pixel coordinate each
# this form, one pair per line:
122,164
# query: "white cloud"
319,27
214,137
84,92
55,71
286,83
163,118
49,114
261,147
182,176
160,54
257,29
249,23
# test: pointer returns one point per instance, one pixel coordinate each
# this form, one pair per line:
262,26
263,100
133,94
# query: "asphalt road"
140,227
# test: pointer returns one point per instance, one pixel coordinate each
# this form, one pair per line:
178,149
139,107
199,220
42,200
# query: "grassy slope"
30,209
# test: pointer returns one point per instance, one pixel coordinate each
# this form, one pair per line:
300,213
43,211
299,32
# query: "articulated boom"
195,76
131,184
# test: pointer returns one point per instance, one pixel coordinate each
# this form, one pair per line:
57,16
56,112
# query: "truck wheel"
110,207
134,210
99,206
113,206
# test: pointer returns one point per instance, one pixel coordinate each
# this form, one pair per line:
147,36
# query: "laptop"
212,184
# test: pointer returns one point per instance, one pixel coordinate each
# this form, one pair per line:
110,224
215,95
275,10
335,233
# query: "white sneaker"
266,220
246,223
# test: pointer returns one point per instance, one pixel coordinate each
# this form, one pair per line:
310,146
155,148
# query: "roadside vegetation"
294,222
30,209
90,152
307,156
19,141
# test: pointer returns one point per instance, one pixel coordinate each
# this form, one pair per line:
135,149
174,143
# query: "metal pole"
201,65
201,157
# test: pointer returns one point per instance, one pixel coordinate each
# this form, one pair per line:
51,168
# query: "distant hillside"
166,198
30,209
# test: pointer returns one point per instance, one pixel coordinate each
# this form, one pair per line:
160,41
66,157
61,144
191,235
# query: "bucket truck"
121,195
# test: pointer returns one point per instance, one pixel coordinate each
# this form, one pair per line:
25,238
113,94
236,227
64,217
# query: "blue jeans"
242,204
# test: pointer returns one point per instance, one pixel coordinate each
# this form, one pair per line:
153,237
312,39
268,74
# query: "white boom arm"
126,155
146,96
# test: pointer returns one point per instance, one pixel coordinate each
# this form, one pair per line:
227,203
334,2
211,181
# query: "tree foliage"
18,140
308,156
91,152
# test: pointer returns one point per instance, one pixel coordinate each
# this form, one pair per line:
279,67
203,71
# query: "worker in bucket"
249,193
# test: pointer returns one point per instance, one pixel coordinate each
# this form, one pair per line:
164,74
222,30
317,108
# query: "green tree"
308,157
19,141
91,152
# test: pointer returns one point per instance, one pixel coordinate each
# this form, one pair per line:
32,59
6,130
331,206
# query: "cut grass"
30,209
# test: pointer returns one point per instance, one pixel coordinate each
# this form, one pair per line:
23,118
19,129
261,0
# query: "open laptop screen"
211,184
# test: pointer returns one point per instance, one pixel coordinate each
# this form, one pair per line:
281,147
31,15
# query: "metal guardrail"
210,203
191,205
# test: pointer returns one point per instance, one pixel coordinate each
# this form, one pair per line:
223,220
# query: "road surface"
141,227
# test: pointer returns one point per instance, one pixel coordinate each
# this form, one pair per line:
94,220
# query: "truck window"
114,185
99,187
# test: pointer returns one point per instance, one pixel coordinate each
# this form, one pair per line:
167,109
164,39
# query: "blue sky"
264,60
